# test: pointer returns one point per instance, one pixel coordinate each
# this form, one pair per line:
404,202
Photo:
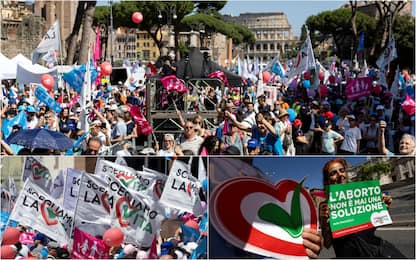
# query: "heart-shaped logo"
158,188
37,171
48,214
125,179
261,218
124,210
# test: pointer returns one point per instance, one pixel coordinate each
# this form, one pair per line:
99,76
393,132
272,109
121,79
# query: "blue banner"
44,97
201,250
189,234
7,124
4,217
75,78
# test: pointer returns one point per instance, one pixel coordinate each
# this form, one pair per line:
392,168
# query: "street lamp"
170,11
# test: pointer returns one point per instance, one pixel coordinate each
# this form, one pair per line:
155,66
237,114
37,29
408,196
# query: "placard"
356,206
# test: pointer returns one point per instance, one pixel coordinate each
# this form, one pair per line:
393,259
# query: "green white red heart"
48,214
234,205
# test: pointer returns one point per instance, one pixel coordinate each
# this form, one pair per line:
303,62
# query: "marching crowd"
248,122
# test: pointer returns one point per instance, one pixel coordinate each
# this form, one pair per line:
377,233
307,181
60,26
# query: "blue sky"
296,11
296,168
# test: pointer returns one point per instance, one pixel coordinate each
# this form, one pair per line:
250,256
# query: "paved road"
401,237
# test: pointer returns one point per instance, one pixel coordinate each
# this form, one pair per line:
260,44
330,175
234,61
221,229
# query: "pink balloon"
409,106
47,81
113,237
266,76
137,17
7,252
377,89
331,79
321,75
307,75
10,236
106,68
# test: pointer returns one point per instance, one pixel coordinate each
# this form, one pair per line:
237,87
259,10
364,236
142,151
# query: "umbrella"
40,138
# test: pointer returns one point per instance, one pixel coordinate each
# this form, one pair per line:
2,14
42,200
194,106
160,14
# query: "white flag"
37,172
182,189
37,209
58,185
12,188
202,172
71,188
108,203
50,42
389,54
6,200
304,61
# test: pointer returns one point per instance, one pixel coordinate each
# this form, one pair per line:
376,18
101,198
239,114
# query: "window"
265,47
258,47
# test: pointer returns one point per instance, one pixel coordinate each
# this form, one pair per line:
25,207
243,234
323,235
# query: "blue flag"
203,224
75,78
201,250
277,69
361,42
189,234
7,124
4,217
77,143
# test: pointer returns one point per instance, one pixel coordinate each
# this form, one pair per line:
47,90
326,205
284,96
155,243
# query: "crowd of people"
249,122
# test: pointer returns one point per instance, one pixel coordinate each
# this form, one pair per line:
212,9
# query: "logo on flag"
50,42
37,172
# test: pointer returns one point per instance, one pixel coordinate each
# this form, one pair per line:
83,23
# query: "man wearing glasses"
190,140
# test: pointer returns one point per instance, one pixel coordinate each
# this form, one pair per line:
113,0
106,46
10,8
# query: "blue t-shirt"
269,142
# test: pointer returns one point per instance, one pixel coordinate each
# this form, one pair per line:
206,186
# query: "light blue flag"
201,250
7,124
189,234
75,78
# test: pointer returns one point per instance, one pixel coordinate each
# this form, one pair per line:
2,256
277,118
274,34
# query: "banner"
304,61
44,97
50,42
27,238
108,203
356,206
172,83
7,124
7,203
388,55
359,87
266,219
75,78
37,209
182,189
4,219
58,185
71,188
87,246
35,170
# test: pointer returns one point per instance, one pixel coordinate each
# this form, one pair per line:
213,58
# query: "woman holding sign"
362,244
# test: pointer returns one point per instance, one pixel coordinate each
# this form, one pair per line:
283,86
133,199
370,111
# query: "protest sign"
37,172
266,219
87,246
359,87
356,206
182,189
108,202
71,188
43,96
37,209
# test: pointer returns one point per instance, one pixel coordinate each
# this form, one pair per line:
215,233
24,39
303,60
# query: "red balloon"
137,17
47,81
7,252
377,89
332,79
266,76
10,236
323,90
106,68
321,75
113,237
307,75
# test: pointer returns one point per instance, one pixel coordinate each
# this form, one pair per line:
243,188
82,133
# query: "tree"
336,24
369,172
84,16
404,34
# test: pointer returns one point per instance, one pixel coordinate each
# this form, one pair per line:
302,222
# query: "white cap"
380,107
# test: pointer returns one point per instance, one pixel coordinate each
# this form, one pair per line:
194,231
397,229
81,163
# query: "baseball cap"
315,103
31,109
96,123
252,143
129,249
165,247
351,117
380,107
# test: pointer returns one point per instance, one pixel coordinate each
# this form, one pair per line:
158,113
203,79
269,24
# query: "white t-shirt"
350,139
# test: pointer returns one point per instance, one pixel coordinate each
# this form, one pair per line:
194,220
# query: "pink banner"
87,246
359,87
27,238
172,83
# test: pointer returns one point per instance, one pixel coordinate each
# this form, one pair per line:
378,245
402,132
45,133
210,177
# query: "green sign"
356,206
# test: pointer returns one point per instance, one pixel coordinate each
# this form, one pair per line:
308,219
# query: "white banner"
6,200
58,185
50,42
389,54
71,188
108,202
182,189
36,171
37,209
305,59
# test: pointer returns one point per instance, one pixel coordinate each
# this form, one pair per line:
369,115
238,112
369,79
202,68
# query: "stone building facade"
402,168
125,44
273,34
